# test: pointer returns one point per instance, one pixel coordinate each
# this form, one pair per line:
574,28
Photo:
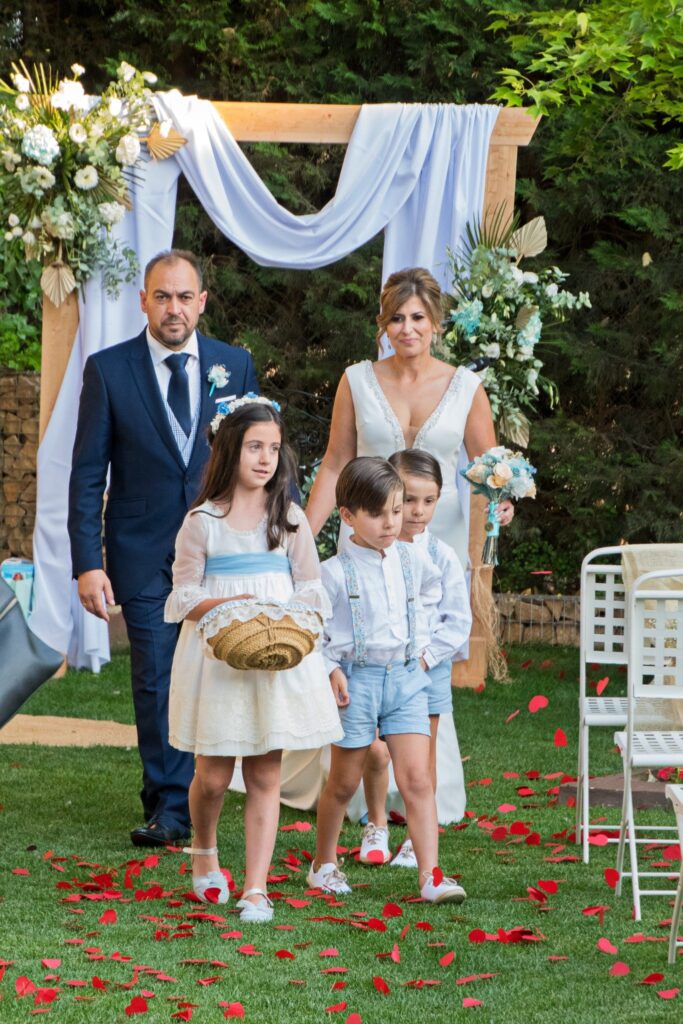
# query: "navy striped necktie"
178,395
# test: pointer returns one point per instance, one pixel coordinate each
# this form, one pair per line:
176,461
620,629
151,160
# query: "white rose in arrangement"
86,178
77,133
115,106
150,77
111,213
8,236
22,101
96,131
477,473
492,350
43,178
529,278
69,96
29,238
17,232
10,159
551,290
128,150
21,83
125,71
12,220
517,275
77,70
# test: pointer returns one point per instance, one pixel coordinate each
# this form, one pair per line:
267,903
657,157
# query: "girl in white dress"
244,538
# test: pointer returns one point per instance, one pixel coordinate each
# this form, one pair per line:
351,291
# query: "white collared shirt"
159,353
383,604
451,617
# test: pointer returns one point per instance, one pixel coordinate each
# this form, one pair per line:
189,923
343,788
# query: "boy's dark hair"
417,463
366,483
220,475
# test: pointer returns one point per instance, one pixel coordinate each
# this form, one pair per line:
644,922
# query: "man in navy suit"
144,412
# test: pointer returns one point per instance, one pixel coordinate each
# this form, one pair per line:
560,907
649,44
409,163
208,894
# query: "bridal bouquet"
499,473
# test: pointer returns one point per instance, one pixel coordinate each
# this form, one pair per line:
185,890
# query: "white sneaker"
405,858
329,878
374,847
447,891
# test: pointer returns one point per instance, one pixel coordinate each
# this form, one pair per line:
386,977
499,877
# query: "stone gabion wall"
19,412
534,618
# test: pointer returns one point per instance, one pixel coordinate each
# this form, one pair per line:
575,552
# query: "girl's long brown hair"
220,475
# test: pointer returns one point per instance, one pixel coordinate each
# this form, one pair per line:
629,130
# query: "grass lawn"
107,935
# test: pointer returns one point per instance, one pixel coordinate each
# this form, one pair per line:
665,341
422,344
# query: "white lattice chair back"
655,628
603,608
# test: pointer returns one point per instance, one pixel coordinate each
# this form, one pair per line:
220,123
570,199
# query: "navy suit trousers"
166,772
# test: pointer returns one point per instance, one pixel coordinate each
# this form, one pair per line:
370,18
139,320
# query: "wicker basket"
262,643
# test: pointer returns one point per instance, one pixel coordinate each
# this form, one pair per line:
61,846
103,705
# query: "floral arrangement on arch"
67,164
500,313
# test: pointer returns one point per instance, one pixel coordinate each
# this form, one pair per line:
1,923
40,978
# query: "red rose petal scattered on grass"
511,716
473,977
537,703
23,986
506,808
337,1008
376,857
447,959
45,995
548,886
298,826
338,985
611,877
668,993
652,979
331,951
284,954
354,1018
560,739
605,946
233,1010
391,909
672,852
136,1005
601,685
381,985
437,875
619,968
109,917
50,963
598,911
477,935
598,839
468,1001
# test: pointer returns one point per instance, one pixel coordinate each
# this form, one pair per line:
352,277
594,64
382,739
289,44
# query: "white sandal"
255,913
213,882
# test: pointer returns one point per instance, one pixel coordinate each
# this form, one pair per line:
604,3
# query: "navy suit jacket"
123,425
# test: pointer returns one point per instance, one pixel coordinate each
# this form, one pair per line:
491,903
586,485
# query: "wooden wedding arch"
326,124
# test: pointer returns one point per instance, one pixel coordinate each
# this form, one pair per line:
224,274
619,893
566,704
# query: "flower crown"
224,407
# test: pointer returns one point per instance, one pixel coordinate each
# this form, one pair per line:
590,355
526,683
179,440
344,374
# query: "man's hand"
340,687
95,592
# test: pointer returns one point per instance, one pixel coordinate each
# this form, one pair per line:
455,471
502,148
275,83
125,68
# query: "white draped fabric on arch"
415,171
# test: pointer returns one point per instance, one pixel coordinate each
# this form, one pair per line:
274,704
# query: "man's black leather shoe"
157,834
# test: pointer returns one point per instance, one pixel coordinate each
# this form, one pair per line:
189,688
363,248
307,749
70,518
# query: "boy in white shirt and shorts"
378,590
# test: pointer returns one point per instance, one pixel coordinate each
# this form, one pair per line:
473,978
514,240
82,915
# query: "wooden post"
60,324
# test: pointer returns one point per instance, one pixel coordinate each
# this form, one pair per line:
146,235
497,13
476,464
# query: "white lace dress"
379,433
216,710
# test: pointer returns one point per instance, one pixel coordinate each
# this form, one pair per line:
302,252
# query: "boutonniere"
217,377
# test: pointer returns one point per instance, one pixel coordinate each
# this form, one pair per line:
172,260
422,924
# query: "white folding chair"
675,795
602,642
655,679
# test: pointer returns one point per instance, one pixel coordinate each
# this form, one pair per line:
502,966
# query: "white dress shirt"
383,604
450,617
159,353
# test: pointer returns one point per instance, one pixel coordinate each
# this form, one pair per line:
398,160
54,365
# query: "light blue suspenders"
432,547
360,650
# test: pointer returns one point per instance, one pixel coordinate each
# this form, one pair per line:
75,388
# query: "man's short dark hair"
173,256
366,483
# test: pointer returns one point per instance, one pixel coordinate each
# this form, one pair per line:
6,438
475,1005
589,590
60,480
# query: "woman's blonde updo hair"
400,287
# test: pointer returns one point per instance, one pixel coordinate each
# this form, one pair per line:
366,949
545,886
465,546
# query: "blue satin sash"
245,565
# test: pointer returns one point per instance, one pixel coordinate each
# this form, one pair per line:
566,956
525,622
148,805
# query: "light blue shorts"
391,698
439,691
